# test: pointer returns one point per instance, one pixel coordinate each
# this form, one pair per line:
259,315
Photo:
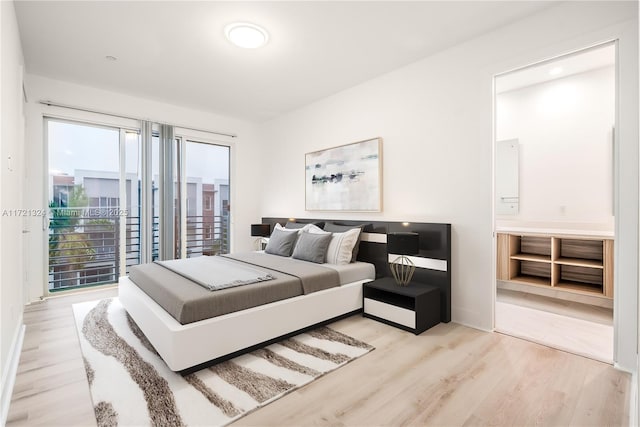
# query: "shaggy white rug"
132,386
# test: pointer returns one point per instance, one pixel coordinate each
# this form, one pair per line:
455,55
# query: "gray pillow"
312,247
294,225
302,224
281,242
337,228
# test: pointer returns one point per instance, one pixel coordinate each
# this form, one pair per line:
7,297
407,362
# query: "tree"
69,249
78,197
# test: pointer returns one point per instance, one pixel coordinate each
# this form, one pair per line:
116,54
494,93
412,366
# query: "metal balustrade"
207,235
83,250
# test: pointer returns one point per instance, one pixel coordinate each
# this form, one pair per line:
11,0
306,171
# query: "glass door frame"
182,137
122,130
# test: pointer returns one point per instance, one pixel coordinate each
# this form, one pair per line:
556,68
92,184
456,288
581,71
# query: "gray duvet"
313,277
189,302
215,273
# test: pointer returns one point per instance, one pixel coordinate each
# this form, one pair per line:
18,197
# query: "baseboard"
469,325
633,401
470,319
624,368
10,371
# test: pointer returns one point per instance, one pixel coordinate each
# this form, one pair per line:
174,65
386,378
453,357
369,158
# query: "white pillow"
341,246
288,230
314,229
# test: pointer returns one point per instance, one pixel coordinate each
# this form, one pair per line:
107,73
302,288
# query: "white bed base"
185,346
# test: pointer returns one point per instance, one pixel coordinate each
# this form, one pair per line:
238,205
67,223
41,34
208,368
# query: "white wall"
245,152
435,117
626,198
564,128
11,254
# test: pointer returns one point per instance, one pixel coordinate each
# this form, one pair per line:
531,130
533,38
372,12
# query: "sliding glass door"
116,200
93,203
205,198
197,220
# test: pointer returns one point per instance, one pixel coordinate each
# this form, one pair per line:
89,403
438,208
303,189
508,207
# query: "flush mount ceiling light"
248,36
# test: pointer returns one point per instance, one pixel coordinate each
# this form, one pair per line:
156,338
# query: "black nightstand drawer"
414,308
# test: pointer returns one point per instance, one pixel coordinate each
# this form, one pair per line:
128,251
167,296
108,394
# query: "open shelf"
579,274
531,257
579,262
393,298
534,245
532,280
574,264
581,248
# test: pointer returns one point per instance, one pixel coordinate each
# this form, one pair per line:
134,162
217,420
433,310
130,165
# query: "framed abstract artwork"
345,178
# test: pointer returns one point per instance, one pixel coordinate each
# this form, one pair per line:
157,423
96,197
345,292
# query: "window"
208,231
61,195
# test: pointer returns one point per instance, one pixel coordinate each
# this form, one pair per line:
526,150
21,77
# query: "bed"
200,342
191,326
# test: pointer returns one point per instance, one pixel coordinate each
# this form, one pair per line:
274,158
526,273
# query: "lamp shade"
403,243
260,230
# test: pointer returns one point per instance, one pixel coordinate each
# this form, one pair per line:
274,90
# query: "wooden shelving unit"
574,264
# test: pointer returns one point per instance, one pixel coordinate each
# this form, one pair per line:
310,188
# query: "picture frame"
345,178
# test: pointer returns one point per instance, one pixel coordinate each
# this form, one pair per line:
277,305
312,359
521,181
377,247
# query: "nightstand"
414,308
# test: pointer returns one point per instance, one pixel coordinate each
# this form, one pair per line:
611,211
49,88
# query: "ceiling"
176,51
567,65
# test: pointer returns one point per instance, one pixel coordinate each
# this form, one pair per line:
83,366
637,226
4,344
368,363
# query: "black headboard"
434,261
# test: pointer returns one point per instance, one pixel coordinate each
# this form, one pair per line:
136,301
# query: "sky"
73,146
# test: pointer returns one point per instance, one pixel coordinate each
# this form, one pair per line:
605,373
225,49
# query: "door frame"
615,181
182,139
122,130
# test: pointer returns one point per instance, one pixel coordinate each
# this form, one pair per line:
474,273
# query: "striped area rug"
131,385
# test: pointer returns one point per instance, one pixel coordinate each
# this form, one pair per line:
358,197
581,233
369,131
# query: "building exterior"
86,216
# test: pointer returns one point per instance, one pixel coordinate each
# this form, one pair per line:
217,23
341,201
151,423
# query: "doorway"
554,208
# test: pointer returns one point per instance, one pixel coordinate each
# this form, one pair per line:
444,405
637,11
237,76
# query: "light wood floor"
450,375
577,328
591,313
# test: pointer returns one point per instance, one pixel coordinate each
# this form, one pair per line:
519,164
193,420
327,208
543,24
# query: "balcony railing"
207,235
84,250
